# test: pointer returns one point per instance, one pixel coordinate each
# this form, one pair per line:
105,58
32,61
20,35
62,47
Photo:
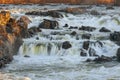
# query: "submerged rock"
66,45
66,25
49,24
103,29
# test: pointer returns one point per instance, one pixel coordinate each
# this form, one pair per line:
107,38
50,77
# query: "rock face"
49,24
11,34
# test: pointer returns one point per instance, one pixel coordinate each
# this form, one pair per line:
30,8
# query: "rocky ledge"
11,33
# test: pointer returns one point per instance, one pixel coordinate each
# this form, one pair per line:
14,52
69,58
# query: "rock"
102,59
86,45
4,17
86,36
88,60
66,45
49,24
52,13
25,19
115,36
77,10
83,53
33,30
87,28
103,29
72,27
26,56
118,54
110,7
73,33
66,25
94,12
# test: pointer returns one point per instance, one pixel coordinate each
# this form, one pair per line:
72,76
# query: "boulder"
103,29
87,28
66,45
73,33
86,45
49,24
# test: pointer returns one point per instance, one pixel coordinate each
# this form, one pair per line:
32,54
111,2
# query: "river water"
47,60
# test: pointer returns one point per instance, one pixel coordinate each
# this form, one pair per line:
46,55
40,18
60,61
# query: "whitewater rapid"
47,60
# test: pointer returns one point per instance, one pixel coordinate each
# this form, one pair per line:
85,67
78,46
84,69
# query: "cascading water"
42,56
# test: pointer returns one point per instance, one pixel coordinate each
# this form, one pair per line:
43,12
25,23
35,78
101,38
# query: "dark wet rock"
66,45
89,60
115,36
110,8
66,25
118,54
102,59
94,12
103,29
26,56
86,36
53,13
87,28
92,52
49,24
37,38
86,45
33,30
83,53
73,33
73,27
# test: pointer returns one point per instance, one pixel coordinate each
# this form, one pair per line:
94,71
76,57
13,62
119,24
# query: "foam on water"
47,60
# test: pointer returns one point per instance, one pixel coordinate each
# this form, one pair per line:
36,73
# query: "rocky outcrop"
11,33
49,24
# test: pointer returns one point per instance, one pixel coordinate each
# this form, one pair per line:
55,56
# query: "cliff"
11,33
